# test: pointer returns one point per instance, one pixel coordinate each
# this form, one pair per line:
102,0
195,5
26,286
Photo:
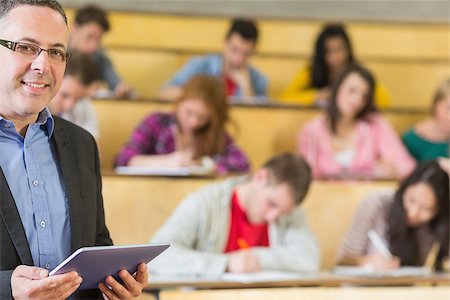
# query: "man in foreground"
50,184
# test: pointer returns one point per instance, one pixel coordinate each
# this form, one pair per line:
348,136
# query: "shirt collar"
44,118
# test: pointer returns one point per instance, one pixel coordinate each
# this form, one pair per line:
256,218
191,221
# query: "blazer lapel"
11,218
70,175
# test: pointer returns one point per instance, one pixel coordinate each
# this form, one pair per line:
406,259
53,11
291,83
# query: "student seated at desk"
86,34
350,139
333,53
242,225
408,221
72,102
196,129
430,138
232,66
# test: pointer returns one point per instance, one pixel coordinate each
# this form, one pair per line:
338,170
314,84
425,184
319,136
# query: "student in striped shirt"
409,221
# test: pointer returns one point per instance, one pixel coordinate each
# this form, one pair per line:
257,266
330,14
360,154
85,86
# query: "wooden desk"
386,293
318,280
135,207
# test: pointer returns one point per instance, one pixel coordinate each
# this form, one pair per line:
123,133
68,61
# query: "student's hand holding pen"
382,259
243,261
379,262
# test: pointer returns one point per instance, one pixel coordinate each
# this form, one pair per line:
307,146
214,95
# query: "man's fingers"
66,289
142,274
106,291
58,286
117,288
30,272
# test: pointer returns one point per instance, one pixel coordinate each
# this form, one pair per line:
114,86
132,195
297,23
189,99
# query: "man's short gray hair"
7,5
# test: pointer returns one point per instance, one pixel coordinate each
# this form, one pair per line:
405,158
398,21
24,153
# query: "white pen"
379,245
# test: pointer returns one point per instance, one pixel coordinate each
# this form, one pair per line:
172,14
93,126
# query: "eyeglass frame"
12,46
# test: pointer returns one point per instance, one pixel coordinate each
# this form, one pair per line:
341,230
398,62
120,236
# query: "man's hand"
33,283
243,261
123,90
132,288
241,77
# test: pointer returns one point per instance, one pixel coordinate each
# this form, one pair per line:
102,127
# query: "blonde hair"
442,91
210,139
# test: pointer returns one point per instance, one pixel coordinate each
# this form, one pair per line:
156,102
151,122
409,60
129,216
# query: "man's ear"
261,176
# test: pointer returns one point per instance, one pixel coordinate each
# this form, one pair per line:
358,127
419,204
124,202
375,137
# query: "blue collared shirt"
212,65
34,177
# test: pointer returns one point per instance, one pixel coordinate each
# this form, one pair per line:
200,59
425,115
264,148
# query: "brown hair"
291,169
443,90
332,110
82,67
403,241
7,5
92,14
210,139
246,28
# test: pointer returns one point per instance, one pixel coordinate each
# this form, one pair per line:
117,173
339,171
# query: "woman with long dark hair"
410,221
350,139
332,54
196,129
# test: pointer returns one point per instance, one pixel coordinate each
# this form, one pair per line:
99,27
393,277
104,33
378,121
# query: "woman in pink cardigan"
350,139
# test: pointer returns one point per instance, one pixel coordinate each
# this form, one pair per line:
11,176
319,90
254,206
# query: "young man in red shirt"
244,224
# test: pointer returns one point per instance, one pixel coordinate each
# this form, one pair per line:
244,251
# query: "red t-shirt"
230,85
255,235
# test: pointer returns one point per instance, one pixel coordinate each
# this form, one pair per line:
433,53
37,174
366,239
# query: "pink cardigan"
375,140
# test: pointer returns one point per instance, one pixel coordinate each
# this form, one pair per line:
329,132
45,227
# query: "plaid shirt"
155,135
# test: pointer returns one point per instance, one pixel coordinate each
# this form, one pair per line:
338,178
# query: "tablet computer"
94,264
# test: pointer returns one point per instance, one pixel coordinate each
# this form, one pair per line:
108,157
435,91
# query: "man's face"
86,38
269,201
237,51
28,84
70,92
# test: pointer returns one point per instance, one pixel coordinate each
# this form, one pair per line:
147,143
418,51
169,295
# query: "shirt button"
7,125
47,266
27,145
43,224
35,182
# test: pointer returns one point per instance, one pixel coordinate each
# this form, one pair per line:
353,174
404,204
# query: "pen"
242,243
379,245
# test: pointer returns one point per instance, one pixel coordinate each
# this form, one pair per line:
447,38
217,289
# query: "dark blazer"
77,154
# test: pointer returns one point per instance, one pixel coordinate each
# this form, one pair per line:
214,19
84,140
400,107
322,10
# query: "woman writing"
195,130
409,221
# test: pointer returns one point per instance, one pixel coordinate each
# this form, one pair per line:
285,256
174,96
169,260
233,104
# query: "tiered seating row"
260,131
409,59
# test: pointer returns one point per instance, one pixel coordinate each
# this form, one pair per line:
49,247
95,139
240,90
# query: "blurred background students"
243,225
409,222
430,138
232,66
195,129
350,139
332,54
72,100
86,33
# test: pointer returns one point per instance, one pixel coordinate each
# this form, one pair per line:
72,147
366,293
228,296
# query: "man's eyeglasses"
55,56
